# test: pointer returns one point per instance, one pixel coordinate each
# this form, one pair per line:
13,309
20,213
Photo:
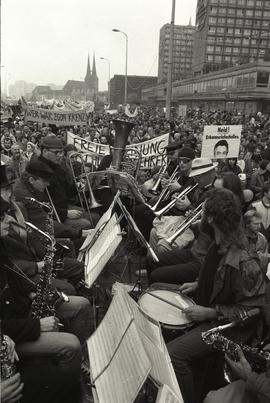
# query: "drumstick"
165,300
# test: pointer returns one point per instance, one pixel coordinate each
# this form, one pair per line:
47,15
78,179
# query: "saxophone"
8,369
48,227
47,298
257,358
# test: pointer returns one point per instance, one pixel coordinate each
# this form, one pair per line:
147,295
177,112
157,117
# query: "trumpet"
162,170
165,190
192,217
88,203
172,203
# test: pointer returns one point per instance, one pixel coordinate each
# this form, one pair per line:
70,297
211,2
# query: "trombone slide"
171,204
186,224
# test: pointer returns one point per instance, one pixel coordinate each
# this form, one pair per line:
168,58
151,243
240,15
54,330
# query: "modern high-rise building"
182,51
230,33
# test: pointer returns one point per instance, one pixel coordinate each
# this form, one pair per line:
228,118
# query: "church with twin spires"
86,90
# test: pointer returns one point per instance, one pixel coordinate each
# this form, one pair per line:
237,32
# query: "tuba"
122,131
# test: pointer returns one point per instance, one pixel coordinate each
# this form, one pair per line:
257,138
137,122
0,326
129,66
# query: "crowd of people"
221,259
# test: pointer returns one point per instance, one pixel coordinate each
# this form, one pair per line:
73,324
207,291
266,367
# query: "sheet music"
136,230
127,372
104,341
103,219
119,364
162,371
166,395
102,250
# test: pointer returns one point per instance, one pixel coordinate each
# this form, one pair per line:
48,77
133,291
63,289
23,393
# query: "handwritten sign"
152,151
58,118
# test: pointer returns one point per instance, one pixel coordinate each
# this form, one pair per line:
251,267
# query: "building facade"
245,88
86,90
21,88
182,51
135,84
230,33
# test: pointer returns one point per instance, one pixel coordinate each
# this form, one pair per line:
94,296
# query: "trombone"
165,190
161,171
172,203
86,202
190,219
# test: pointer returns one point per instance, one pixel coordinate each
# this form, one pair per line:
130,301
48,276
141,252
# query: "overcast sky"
47,41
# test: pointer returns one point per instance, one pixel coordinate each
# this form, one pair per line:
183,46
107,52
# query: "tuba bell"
122,131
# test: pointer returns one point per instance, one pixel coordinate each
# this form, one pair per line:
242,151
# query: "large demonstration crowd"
221,260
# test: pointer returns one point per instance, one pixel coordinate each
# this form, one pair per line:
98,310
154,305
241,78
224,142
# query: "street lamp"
118,30
109,86
170,65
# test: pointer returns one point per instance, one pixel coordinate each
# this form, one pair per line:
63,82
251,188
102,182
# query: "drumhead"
163,312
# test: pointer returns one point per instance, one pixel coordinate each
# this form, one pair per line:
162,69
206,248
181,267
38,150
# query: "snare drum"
172,320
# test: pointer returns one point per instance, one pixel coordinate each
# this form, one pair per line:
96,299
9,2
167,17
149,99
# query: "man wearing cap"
28,250
183,265
39,337
32,184
143,215
60,190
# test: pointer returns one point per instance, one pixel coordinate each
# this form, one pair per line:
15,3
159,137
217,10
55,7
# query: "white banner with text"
152,151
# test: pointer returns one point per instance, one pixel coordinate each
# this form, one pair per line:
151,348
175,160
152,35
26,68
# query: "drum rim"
163,324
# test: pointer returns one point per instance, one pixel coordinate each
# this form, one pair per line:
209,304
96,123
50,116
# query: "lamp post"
170,65
5,82
109,86
118,30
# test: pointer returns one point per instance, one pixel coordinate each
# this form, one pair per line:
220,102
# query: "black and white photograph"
135,201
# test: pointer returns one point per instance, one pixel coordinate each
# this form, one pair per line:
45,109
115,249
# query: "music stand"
133,226
128,342
126,183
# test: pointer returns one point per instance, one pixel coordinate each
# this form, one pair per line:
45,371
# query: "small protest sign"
221,141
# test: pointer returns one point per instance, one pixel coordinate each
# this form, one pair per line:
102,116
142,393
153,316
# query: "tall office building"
229,33
182,51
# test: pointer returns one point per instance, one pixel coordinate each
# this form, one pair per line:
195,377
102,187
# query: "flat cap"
173,146
39,169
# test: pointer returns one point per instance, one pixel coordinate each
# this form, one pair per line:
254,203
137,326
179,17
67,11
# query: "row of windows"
244,80
233,59
237,31
238,12
239,41
246,3
236,21
229,49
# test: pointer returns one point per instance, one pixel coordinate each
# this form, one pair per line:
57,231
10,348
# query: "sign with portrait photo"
221,141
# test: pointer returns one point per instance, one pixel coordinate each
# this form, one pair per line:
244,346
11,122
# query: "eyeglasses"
56,152
184,160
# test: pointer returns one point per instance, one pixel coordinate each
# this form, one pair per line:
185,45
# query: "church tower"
95,79
89,91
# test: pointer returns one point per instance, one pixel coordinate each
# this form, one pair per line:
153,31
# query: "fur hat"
52,142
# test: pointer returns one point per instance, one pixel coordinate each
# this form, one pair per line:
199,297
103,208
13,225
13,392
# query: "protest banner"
152,151
182,110
58,118
221,141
